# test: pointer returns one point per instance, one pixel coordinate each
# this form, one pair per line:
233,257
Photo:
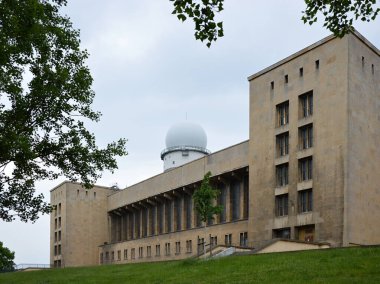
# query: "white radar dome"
186,134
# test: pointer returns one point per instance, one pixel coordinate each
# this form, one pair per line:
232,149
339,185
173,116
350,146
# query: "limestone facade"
308,172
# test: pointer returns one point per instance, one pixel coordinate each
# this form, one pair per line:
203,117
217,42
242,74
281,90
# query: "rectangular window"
235,199
141,252
222,198
119,255
317,64
133,253
59,249
59,236
305,200
282,144
144,222
167,248
373,69
55,224
286,79
107,256
282,174
177,247
305,168
228,239
59,208
168,215
158,250
178,215
55,237
281,233
189,246
244,239
214,241
188,211
59,222
272,85
282,111
301,72
152,213
281,205
112,256
148,251
55,250
306,104
125,254
306,137
101,257
161,218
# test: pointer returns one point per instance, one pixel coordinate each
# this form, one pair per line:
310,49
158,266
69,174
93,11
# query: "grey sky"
149,71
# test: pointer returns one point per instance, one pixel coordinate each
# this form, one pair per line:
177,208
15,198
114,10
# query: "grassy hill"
348,265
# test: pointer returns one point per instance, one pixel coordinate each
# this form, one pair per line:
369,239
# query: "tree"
6,258
204,198
338,15
45,100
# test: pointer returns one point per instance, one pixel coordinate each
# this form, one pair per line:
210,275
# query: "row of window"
178,214
78,193
372,66
110,256
305,171
300,73
305,109
57,236
304,202
57,210
305,140
57,250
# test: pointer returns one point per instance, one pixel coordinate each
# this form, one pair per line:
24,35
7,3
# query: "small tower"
185,142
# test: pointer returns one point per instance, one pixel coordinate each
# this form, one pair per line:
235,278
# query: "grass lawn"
348,265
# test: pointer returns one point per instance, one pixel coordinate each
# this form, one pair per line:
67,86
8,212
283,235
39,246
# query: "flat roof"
311,47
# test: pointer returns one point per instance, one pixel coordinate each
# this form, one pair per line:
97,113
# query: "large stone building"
309,171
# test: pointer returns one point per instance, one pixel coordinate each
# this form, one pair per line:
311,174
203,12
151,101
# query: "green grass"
348,265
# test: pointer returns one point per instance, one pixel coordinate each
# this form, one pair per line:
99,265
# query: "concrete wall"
220,230
362,199
225,160
84,224
329,86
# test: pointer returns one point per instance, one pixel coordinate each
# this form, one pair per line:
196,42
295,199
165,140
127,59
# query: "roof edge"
311,47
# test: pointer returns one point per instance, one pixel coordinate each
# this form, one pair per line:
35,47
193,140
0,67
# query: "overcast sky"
149,71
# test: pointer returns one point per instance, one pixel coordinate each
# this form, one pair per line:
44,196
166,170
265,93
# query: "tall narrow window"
305,200
189,246
282,174
373,69
305,168
133,253
177,247
281,203
235,199
282,144
272,85
222,201
158,250
282,111
317,64
363,61
306,104
188,211
286,79
228,239
301,72
148,251
244,239
125,254
306,137
178,215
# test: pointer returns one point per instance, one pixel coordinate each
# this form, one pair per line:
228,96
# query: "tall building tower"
185,142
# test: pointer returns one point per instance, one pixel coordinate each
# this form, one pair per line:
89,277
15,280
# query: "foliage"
204,198
339,15
347,265
203,14
6,258
45,99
